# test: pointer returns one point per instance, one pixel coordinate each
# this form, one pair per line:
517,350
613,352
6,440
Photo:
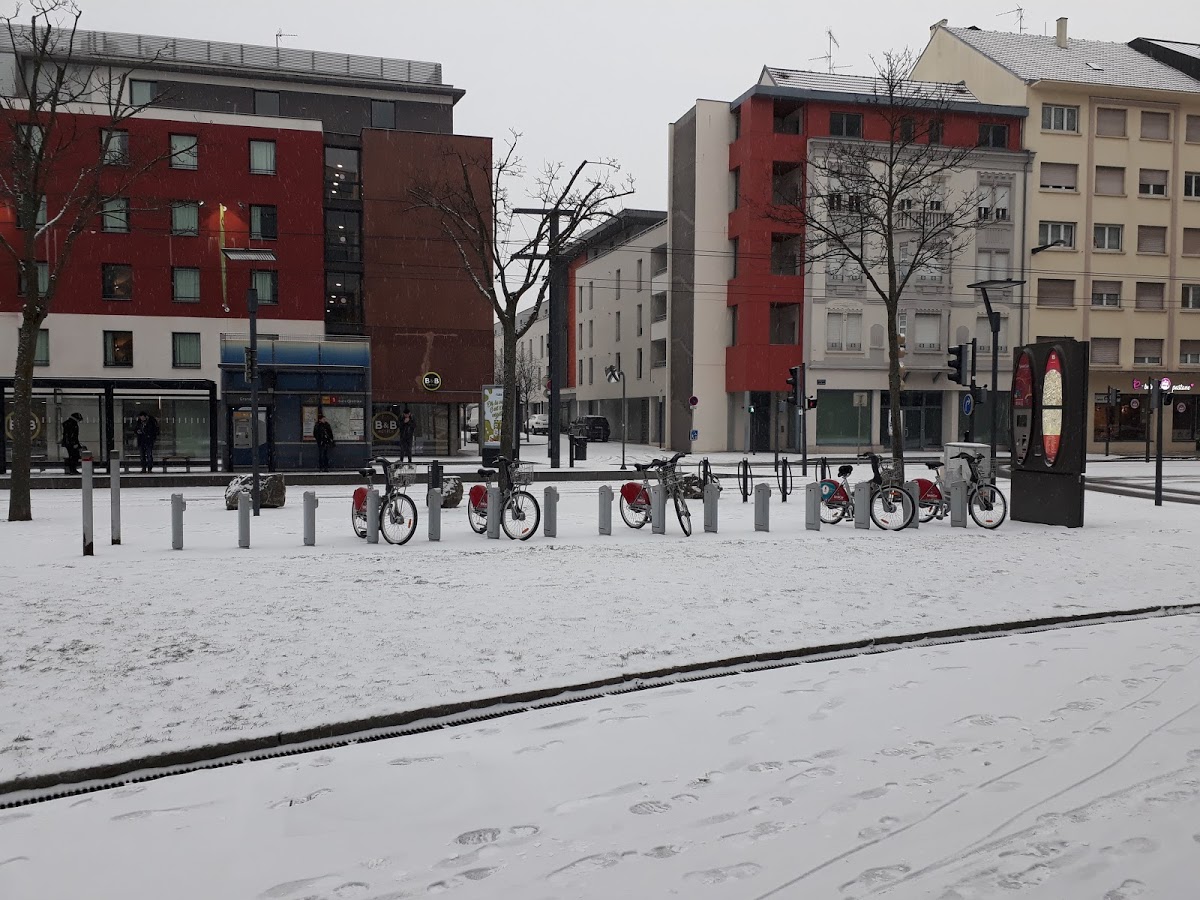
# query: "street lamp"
235,255
994,323
1038,249
613,374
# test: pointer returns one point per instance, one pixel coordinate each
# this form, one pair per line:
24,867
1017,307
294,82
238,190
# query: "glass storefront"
844,418
921,415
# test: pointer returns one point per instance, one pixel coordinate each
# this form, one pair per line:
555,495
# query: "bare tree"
507,255
65,158
527,383
879,204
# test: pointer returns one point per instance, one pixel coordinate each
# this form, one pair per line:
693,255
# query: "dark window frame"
109,282
110,350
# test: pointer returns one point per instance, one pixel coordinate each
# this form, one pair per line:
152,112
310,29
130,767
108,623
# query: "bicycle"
891,508
397,511
693,485
520,513
987,505
635,504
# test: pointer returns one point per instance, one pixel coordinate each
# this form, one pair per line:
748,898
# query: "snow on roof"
861,84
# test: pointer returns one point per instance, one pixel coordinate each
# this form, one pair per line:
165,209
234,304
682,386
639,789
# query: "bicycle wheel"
477,517
635,515
928,510
988,506
358,519
891,508
832,513
398,519
681,510
520,516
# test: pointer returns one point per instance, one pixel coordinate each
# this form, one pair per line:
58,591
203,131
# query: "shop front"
1127,426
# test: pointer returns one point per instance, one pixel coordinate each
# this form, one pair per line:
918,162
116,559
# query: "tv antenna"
828,57
279,35
1020,14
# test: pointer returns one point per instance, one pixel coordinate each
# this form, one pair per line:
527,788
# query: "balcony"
658,281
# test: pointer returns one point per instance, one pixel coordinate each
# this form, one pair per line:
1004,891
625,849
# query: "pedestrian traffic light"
958,363
811,402
793,382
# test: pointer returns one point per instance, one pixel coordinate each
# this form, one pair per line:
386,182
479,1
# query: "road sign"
862,399
1180,407
613,376
1134,403
693,401
431,381
968,404
695,434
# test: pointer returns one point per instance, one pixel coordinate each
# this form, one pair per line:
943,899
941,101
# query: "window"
185,350
1106,294
618,284
31,137
1110,180
115,147
1110,122
992,264
1156,126
845,124
617,319
929,331
579,341
343,236
117,281
581,298
591,370
185,284
579,380
639,363
591,294
1147,352
1149,295
843,331
262,157
1191,242
993,201
1193,130
185,218
114,217
1059,176
266,103
383,114
908,130
786,254
993,136
263,223
41,353
1107,237
185,151
937,131
1191,296
591,331
1060,118
639,320
1189,353
39,219
142,93
1152,239
342,166
1049,232
266,284
1056,292
1152,182
1191,184
1106,351
43,278
983,335
617,364
118,348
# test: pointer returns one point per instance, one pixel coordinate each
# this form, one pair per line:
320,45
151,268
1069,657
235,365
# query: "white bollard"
712,494
658,509
958,504
812,506
433,500
493,513
89,547
114,494
244,520
550,508
762,507
310,518
606,501
178,505
372,516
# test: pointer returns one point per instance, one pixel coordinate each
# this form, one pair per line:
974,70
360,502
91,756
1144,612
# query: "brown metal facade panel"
400,358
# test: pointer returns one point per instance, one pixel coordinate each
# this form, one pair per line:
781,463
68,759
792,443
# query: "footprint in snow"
478,836
298,801
735,872
650,807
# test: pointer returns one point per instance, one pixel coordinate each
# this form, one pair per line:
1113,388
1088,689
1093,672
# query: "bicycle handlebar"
969,457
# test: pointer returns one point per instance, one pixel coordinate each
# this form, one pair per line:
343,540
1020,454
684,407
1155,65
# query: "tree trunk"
510,438
894,388
20,509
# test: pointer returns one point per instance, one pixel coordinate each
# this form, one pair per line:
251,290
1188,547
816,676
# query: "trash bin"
580,446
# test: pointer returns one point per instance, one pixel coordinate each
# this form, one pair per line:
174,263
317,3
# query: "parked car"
539,423
594,428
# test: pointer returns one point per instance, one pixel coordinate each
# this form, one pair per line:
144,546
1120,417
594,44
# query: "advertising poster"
493,415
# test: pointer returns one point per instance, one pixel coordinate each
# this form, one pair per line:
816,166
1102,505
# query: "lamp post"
234,255
994,324
613,374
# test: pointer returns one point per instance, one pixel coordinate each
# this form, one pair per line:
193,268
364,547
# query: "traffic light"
958,363
900,350
811,402
793,382
1114,396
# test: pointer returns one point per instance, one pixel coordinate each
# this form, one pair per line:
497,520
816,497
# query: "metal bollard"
372,516
550,508
435,478
434,501
658,509
178,505
914,494
89,547
812,506
114,494
862,504
310,518
958,504
711,495
244,520
606,499
493,512
762,507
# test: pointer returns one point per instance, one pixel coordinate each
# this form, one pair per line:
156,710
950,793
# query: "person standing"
70,442
408,431
146,430
323,435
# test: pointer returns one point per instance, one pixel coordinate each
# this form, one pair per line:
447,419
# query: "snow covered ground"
1062,766
142,649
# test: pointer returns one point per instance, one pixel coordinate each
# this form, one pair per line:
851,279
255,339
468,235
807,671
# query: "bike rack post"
958,504
862,504
914,493
784,476
606,498
658,509
89,546
372,516
114,495
177,507
550,510
812,506
493,512
762,507
433,500
310,518
745,479
824,476
244,521
711,495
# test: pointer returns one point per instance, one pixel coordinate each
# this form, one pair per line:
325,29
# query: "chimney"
1061,38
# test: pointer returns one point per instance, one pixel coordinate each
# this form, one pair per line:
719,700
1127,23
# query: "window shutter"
929,331
1110,122
1106,351
1108,288
854,331
1156,126
1110,180
983,331
1193,129
833,331
1149,295
1147,349
1153,176
1059,176
1191,241
1152,239
1057,292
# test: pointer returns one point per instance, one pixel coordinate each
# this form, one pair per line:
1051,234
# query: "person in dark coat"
408,431
70,442
323,435
146,431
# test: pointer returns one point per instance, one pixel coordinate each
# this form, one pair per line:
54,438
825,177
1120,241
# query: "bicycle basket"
401,475
521,474
889,474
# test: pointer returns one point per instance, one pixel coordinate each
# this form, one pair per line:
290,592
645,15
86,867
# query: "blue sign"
695,434
968,404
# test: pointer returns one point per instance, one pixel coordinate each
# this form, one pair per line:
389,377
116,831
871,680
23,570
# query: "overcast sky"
589,80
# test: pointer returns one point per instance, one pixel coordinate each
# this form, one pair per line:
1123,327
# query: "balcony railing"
658,316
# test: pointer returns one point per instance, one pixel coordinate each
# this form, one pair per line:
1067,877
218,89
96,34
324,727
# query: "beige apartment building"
1115,188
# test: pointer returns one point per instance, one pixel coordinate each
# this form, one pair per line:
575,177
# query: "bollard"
550,508
177,507
812,506
914,494
785,479
114,494
712,494
958,504
658,509
606,498
435,478
862,504
244,520
89,547
372,516
762,507
745,479
434,501
493,512
310,518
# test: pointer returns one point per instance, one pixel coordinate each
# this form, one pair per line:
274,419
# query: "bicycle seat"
843,471
486,473
933,465
366,473
642,467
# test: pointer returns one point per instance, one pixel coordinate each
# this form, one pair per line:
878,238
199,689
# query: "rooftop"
866,85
